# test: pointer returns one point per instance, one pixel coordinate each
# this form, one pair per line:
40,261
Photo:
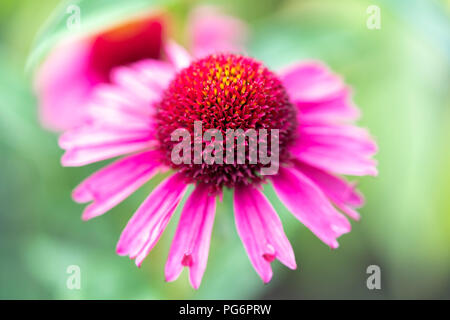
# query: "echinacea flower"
135,114
67,78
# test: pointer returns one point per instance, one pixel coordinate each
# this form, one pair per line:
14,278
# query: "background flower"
400,79
81,61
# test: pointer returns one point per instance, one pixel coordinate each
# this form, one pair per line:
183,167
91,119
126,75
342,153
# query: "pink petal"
63,85
156,74
131,98
177,55
213,32
310,81
80,156
351,136
120,120
342,193
190,245
339,108
90,136
113,114
317,92
261,231
343,149
147,224
112,96
338,161
136,86
114,183
309,205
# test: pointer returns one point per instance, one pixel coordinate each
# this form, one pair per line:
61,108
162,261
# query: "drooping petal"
114,183
261,231
342,193
147,224
190,245
212,32
318,93
342,149
63,85
177,55
309,205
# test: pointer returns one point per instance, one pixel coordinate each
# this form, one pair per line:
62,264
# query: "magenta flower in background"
133,113
65,81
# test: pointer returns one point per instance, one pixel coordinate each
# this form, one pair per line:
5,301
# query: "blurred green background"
400,75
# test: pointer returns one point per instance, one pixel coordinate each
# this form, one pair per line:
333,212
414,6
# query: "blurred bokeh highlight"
400,75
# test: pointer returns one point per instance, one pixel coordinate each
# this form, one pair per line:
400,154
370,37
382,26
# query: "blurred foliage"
400,75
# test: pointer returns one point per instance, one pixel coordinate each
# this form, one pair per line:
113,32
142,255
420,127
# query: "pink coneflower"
67,78
134,115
